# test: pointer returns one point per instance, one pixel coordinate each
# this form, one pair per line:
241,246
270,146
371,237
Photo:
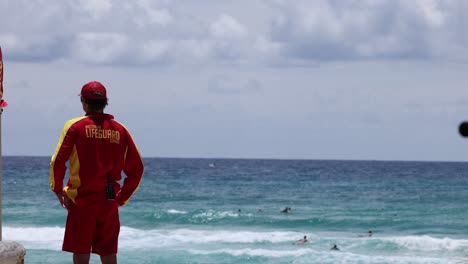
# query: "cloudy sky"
293,79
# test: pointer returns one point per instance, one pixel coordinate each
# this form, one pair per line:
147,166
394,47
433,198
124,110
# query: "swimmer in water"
301,241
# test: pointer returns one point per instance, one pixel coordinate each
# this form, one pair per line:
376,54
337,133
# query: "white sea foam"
274,244
36,237
33,233
161,236
174,211
136,238
305,255
348,257
238,236
214,215
257,252
428,243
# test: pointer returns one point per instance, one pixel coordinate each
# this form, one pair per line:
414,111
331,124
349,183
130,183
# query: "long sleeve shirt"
98,149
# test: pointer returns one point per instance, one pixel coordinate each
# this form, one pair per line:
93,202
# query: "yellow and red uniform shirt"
97,149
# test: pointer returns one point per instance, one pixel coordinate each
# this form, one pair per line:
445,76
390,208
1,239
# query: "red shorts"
92,228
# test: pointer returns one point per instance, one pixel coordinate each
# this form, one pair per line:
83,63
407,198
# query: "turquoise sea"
228,211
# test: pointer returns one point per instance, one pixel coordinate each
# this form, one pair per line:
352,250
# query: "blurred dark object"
463,129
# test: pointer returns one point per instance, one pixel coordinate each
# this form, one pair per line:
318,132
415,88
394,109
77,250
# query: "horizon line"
250,158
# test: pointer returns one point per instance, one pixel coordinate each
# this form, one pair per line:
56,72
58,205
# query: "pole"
1,111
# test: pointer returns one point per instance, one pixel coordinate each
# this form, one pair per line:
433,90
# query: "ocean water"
228,211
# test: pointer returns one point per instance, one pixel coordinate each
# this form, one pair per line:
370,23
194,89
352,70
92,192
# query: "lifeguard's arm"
63,199
61,155
133,169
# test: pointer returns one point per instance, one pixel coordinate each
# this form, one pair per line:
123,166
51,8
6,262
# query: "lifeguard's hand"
63,199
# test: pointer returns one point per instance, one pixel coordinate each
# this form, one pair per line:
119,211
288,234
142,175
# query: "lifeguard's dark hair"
95,105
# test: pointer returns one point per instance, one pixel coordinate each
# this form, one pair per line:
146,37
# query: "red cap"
94,91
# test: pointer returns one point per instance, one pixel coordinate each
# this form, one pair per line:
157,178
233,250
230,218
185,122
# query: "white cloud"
150,15
227,27
299,31
102,48
11,42
332,30
265,45
193,50
156,50
230,39
433,13
96,8
35,47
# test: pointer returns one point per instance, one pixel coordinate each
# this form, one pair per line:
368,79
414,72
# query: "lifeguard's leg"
109,259
81,258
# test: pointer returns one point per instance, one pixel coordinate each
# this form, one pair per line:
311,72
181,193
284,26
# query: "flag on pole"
2,102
